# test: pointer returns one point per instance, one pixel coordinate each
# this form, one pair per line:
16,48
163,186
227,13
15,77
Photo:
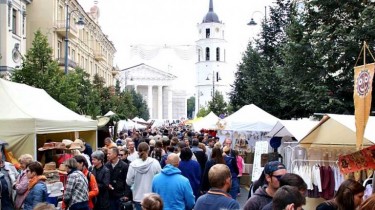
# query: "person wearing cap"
102,177
273,171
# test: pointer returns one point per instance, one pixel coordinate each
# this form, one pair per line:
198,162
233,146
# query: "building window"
207,54
59,49
217,54
14,21
199,55
207,33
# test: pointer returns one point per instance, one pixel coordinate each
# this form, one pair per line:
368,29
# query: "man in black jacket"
118,189
102,177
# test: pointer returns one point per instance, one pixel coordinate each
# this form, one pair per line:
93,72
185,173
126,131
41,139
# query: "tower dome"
211,16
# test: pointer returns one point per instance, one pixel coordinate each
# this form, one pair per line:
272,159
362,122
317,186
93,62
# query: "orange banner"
362,98
360,160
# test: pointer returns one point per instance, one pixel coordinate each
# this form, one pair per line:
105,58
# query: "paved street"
243,198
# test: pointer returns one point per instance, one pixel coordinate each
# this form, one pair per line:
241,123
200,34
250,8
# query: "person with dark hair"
123,154
140,174
273,171
118,189
102,177
348,197
199,154
37,189
174,188
93,186
76,194
191,170
288,198
217,197
216,158
258,183
158,151
170,150
293,180
152,201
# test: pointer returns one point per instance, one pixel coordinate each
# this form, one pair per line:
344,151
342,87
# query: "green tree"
190,107
203,112
217,105
140,104
40,70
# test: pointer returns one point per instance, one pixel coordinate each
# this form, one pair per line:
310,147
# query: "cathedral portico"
155,87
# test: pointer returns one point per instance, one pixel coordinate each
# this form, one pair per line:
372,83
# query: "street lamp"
80,25
252,22
217,79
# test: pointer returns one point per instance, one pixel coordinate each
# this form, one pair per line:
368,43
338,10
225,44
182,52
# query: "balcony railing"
60,26
71,63
99,56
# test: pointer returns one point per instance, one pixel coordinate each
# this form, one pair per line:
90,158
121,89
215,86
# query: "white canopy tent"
250,118
137,119
208,122
128,125
293,128
27,111
336,129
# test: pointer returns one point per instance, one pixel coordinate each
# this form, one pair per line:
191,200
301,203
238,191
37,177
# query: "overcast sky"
174,22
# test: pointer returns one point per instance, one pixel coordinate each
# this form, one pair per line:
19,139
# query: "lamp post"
80,25
252,22
217,79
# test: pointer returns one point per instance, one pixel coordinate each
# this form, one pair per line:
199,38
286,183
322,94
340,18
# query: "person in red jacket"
93,186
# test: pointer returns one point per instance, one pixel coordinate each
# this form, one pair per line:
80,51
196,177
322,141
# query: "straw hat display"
62,169
48,146
50,167
75,145
80,142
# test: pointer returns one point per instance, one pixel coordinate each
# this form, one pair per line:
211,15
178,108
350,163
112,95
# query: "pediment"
146,72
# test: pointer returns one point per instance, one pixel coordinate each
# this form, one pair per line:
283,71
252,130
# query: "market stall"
209,122
29,117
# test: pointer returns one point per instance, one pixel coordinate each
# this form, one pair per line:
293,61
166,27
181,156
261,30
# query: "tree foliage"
190,107
303,60
75,90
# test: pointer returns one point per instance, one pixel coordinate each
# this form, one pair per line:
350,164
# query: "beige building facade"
88,48
13,17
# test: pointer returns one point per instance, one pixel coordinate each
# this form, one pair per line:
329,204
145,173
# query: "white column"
170,116
149,100
135,88
160,102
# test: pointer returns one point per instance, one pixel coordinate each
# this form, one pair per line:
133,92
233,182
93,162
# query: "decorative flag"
362,98
357,161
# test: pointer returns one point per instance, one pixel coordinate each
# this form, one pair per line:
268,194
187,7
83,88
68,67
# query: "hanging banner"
360,160
362,99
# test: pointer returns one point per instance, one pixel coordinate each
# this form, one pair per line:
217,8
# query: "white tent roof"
208,122
110,113
137,119
293,128
128,125
25,109
250,118
336,129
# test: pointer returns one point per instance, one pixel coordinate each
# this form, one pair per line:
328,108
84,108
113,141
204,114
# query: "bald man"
173,188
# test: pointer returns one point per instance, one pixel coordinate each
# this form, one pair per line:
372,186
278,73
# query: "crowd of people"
170,170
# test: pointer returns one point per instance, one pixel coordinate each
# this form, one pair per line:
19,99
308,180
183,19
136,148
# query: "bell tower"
211,58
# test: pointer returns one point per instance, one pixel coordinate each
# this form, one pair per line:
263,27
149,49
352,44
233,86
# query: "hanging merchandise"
363,159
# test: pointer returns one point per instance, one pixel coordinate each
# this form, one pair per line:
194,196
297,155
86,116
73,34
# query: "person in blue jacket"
173,188
37,189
